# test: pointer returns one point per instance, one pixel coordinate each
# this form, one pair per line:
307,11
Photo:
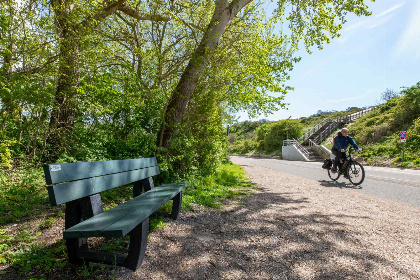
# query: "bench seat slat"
65,192
120,220
64,172
148,207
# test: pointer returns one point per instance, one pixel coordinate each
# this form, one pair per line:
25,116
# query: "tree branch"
141,16
109,9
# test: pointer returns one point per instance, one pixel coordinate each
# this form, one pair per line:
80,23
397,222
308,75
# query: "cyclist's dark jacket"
342,142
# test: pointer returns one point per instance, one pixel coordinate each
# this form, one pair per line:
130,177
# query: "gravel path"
288,228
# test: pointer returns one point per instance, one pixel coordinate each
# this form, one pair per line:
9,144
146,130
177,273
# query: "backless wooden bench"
79,185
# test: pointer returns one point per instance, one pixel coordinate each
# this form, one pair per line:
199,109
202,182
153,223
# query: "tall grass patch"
227,182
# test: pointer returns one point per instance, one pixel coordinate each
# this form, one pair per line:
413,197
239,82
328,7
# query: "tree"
271,135
103,79
73,21
313,22
389,94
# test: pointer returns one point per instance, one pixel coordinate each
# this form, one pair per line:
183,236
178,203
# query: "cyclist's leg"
338,156
336,161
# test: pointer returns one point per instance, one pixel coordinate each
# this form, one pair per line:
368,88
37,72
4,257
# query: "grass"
22,193
31,243
389,152
213,191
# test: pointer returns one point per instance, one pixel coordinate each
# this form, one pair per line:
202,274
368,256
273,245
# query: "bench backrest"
71,181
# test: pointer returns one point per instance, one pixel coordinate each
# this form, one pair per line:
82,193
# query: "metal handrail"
307,134
321,150
335,123
294,142
323,135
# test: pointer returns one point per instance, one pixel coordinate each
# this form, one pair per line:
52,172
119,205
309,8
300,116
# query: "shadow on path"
267,236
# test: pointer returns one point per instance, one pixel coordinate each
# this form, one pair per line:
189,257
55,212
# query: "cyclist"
341,142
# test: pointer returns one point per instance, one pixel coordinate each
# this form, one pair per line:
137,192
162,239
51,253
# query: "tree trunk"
224,12
7,98
64,110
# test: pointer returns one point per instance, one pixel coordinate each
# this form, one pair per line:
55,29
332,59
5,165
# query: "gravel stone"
288,228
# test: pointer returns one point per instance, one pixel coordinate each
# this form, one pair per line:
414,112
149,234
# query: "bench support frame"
87,207
138,243
76,212
176,206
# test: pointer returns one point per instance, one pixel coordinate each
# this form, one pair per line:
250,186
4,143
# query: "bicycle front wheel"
356,173
334,175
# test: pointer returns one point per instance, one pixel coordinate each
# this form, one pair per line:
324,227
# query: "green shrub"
413,136
271,135
211,191
5,153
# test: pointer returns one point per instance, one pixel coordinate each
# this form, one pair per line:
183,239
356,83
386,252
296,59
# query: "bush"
5,153
378,131
270,136
413,136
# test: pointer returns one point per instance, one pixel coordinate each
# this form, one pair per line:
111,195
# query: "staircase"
319,132
310,142
312,155
320,135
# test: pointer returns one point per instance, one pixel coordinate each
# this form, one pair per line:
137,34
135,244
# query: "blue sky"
372,54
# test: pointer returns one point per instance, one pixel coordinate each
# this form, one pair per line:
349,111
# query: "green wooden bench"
79,185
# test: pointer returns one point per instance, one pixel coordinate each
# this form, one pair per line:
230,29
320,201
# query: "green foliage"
22,192
116,75
243,146
47,223
211,191
262,136
5,154
39,257
243,138
378,131
270,136
316,22
23,253
22,249
413,136
121,78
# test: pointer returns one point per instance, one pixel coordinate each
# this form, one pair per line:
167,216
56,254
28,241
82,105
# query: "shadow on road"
336,184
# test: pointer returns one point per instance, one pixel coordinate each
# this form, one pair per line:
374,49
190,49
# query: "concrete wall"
292,153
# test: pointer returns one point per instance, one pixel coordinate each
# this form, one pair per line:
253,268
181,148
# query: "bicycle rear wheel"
356,173
334,176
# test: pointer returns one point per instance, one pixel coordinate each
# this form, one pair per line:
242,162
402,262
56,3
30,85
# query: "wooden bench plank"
124,226
65,192
120,220
65,172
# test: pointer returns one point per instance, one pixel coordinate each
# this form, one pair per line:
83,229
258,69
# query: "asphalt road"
401,185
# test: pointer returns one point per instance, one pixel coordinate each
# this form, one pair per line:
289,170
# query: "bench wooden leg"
176,206
77,211
138,242
75,248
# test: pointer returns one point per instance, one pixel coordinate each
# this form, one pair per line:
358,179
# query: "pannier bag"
327,164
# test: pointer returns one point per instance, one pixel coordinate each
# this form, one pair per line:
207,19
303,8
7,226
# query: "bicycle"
350,168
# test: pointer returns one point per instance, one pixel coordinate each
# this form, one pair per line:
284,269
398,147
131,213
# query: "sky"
372,54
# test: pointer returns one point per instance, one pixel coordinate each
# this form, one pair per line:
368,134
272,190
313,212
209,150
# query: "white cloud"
409,42
390,10
379,22
370,22
355,26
